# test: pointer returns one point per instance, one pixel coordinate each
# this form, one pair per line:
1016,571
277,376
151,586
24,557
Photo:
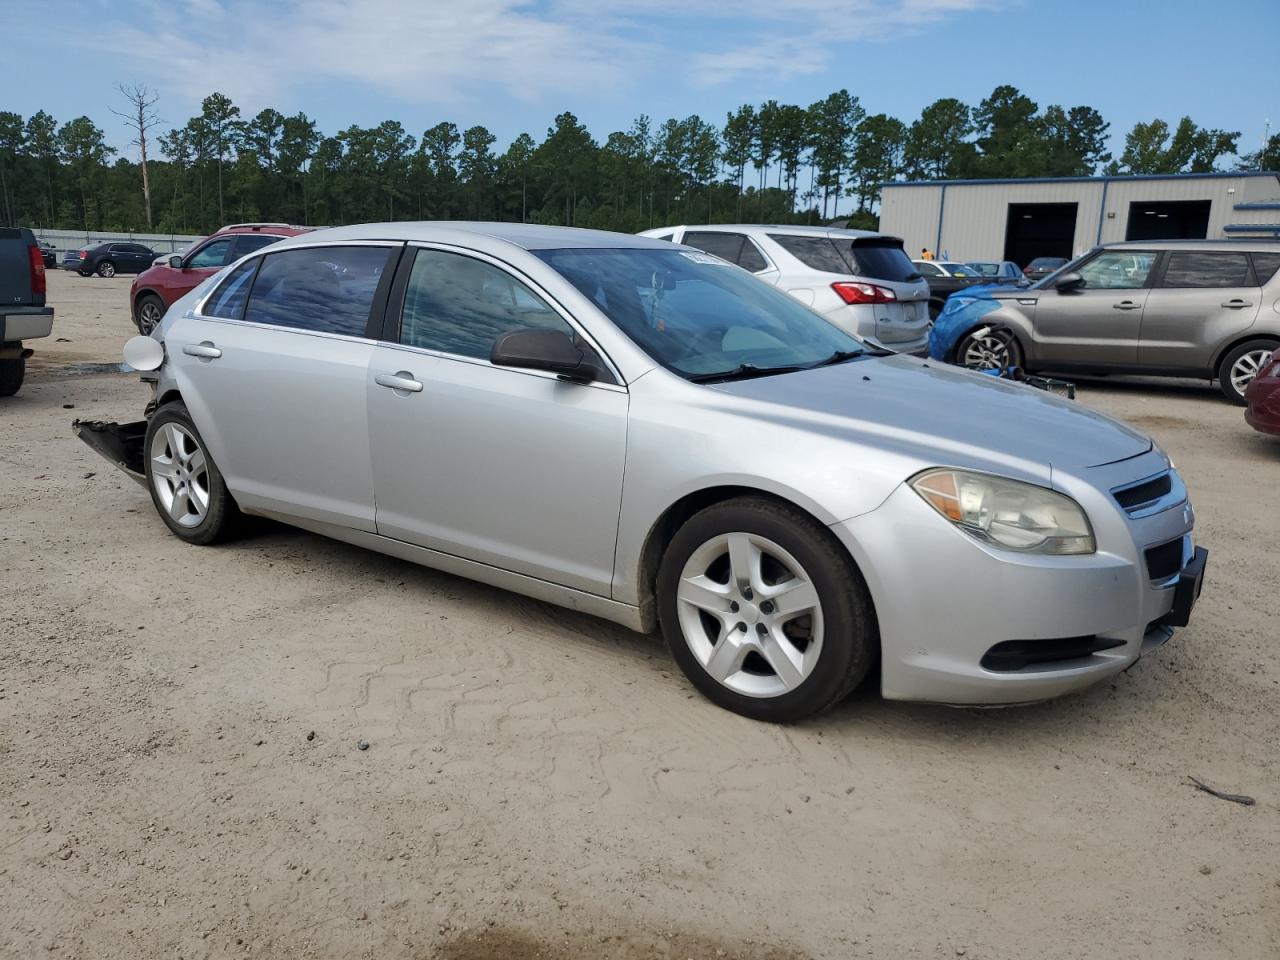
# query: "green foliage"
773,162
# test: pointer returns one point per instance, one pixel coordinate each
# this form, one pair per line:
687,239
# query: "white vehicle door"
514,468
274,372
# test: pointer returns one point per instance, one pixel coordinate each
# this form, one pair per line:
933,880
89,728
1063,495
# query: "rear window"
1194,269
818,253
1265,266
1050,263
882,260
326,289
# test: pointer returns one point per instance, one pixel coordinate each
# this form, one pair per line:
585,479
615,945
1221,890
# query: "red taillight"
863,293
37,269
84,254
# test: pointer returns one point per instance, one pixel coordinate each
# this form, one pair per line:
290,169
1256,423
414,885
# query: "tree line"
765,163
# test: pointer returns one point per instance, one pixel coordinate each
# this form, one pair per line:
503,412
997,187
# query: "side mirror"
1069,282
175,262
550,350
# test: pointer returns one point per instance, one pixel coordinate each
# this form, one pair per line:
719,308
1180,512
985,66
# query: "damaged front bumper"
119,443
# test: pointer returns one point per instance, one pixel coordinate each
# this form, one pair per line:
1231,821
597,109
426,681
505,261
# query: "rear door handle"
403,380
206,350
1237,304
1127,305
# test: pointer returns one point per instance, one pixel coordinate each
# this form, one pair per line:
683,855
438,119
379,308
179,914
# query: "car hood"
923,405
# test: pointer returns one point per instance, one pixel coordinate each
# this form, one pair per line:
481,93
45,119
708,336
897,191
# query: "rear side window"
460,305
248,242
1265,266
818,253
1192,268
212,254
726,246
751,258
325,289
229,299
882,260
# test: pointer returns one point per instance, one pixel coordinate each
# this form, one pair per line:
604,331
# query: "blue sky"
513,65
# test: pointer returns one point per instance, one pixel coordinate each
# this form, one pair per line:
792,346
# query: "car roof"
1265,243
270,229
795,230
529,236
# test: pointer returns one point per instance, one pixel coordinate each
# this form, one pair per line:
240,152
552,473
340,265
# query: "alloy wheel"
1248,366
750,614
149,315
987,352
107,270
180,474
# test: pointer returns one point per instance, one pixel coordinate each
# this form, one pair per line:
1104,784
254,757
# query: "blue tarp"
962,312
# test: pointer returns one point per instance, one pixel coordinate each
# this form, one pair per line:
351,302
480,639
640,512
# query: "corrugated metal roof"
1217,175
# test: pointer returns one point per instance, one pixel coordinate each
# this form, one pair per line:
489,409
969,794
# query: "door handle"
1127,305
1237,304
205,350
403,380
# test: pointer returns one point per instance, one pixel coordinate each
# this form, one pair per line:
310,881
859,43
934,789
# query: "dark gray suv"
1203,308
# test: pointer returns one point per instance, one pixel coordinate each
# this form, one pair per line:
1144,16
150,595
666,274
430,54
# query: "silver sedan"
643,432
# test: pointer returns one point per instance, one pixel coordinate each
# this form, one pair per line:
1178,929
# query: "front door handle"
1237,304
403,380
1127,305
205,350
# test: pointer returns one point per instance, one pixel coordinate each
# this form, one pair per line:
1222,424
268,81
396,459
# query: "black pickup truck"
23,314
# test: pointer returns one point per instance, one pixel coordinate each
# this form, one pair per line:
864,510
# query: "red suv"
157,287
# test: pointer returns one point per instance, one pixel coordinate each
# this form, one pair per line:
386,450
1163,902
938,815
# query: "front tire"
186,486
1241,365
764,611
997,349
106,269
12,373
150,312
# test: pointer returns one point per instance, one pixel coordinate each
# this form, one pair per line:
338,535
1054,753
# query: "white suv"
861,281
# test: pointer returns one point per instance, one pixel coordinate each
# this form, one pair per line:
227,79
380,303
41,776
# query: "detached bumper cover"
118,443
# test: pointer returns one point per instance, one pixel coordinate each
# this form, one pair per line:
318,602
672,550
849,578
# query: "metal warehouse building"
1019,220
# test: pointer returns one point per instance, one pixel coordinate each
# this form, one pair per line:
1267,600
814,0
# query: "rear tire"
764,611
12,373
185,484
1241,365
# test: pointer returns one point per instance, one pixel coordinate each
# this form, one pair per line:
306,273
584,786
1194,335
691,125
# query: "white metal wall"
974,217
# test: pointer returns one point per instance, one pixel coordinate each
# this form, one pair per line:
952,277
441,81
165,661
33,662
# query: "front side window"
212,254
694,314
460,305
1117,270
1193,268
229,299
324,289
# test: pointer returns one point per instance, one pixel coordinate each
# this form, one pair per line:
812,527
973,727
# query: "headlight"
1008,513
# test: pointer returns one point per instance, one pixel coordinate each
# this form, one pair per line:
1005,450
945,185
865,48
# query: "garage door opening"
1168,220
1039,230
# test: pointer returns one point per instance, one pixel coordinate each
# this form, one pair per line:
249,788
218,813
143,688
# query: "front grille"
1140,494
1165,560
1015,654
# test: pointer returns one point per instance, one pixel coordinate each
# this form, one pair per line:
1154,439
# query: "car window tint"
726,246
460,305
229,299
1117,270
1192,268
819,253
665,236
326,289
751,258
1265,266
881,260
927,269
246,243
213,254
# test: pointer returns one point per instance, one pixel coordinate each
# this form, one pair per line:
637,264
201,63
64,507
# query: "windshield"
696,314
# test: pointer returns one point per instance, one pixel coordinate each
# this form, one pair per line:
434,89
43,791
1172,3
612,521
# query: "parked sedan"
1041,267
1263,398
1205,308
108,259
468,397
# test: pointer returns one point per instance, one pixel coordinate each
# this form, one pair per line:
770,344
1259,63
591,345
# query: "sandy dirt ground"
180,773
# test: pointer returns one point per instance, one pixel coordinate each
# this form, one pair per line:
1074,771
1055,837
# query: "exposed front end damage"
119,443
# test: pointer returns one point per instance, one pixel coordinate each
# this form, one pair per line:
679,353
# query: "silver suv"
859,280
1200,308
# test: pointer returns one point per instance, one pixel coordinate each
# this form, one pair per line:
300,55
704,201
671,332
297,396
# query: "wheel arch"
1237,342
678,513
1018,335
137,299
